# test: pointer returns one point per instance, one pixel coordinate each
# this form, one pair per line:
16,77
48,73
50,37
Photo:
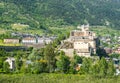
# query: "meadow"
55,78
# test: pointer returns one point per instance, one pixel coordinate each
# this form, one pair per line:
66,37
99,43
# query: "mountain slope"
60,12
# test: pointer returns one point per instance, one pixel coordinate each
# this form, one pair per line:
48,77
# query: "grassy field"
55,78
19,26
105,31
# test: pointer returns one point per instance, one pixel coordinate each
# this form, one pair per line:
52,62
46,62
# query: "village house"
108,50
44,40
40,40
48,40
11,41
29,40
36,42
11,62
84,41
117,50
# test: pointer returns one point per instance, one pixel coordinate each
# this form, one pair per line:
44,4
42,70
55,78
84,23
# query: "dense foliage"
41,14
48,60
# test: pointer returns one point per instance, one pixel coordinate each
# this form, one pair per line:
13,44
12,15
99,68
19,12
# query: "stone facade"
84,41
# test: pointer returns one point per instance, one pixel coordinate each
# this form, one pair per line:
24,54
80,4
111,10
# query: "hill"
42,14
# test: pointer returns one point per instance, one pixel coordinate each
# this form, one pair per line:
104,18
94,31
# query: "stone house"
11,41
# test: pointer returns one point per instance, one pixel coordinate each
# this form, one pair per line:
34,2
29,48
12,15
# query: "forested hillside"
39,14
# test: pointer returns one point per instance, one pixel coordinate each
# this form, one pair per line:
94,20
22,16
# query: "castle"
83,40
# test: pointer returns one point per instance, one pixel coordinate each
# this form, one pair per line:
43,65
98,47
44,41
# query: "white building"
11,62
44,40
48,40
29,40
40,40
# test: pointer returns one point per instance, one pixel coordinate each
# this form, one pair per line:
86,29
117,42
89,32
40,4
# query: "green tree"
38,67
18,62
32,55
24,68
2,59
77,59
63,64
103,67
6,67
72,69
2,52
50,54
86,65
95,69
110,69
74,63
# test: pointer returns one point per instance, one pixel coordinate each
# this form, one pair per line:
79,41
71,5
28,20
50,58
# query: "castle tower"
85,27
